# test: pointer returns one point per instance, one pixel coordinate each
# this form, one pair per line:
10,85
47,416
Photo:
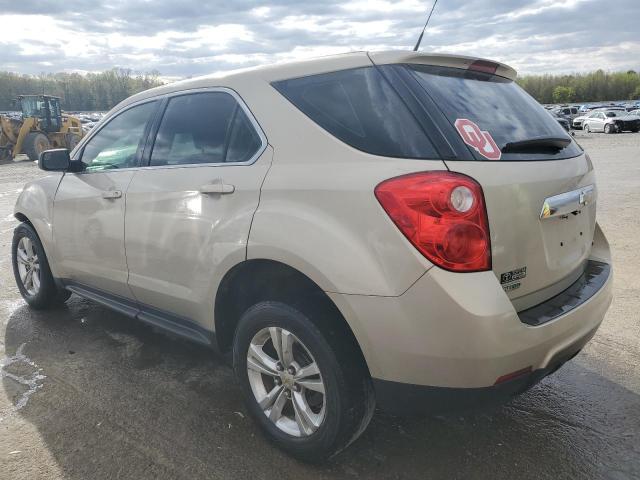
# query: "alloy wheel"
286,381
28,266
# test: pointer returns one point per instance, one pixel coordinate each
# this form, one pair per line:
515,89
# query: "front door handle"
111,194
218,187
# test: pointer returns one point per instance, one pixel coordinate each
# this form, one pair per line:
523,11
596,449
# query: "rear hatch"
538,184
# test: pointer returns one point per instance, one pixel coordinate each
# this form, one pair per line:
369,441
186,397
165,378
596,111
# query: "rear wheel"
34,144
310,397
31,270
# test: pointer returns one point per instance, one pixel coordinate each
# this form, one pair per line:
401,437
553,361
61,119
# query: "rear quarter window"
361,109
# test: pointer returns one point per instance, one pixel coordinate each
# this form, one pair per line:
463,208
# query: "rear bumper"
408,399
461,333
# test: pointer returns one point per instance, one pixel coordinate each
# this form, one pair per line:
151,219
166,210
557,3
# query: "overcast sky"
182,38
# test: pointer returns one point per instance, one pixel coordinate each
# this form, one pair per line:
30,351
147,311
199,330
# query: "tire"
608,128
34,144
41,292
348,402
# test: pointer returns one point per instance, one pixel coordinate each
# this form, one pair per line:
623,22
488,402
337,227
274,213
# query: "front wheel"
310,397
31,270
585,128
608,128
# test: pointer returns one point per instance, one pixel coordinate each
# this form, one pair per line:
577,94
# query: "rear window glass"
361,109
496,105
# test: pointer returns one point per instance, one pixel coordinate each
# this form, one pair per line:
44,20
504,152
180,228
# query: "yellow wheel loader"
42,126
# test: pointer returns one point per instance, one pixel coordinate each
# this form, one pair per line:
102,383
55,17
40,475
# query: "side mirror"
57,160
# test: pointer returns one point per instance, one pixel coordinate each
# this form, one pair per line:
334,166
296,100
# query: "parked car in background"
576,123
611,121
562,121
565,112
346,228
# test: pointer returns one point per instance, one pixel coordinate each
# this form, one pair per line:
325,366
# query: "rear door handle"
111,194
219,188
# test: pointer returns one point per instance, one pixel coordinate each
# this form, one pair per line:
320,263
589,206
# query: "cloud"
192,37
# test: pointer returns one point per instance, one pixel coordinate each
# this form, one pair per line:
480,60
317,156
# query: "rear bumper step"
588,284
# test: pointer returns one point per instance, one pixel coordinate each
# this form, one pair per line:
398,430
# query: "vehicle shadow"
111,398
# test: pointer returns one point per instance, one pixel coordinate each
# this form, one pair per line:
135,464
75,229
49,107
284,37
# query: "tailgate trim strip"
588,284
568,202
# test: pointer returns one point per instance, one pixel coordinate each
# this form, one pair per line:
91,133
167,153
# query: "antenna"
415,49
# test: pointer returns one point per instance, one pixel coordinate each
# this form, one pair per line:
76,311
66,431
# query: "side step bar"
157,318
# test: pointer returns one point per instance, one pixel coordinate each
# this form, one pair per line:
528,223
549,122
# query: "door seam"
124,237
246,244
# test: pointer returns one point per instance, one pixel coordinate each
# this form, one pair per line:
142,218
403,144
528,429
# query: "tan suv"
400,229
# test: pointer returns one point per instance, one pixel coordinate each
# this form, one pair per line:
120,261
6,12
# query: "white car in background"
577,122
611,121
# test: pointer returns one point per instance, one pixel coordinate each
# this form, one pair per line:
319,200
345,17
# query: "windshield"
497,105
33,107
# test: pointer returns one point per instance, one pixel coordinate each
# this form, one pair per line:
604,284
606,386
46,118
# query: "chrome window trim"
252,119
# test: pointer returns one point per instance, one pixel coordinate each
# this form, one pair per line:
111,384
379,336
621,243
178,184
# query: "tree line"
91,91
101,91
583,87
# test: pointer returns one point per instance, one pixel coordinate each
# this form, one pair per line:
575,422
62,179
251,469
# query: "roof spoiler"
444,60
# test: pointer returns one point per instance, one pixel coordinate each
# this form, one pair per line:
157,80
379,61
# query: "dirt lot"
88,394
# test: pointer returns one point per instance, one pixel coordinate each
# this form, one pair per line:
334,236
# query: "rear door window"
497,105
360,108
204,128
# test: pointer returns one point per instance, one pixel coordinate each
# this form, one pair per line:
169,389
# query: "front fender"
35,203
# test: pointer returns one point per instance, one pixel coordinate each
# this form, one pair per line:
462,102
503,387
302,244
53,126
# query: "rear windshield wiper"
537,144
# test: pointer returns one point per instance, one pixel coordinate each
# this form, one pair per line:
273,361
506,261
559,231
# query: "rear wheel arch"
257,280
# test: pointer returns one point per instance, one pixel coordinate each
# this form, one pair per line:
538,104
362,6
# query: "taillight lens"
443,215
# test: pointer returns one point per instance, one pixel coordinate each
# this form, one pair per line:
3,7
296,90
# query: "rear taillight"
443,215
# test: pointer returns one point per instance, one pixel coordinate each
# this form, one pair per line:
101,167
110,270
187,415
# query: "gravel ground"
88,394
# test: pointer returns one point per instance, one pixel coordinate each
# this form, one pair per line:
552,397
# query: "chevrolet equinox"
406,230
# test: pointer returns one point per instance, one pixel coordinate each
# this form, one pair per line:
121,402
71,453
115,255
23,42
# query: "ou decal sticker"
481,141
